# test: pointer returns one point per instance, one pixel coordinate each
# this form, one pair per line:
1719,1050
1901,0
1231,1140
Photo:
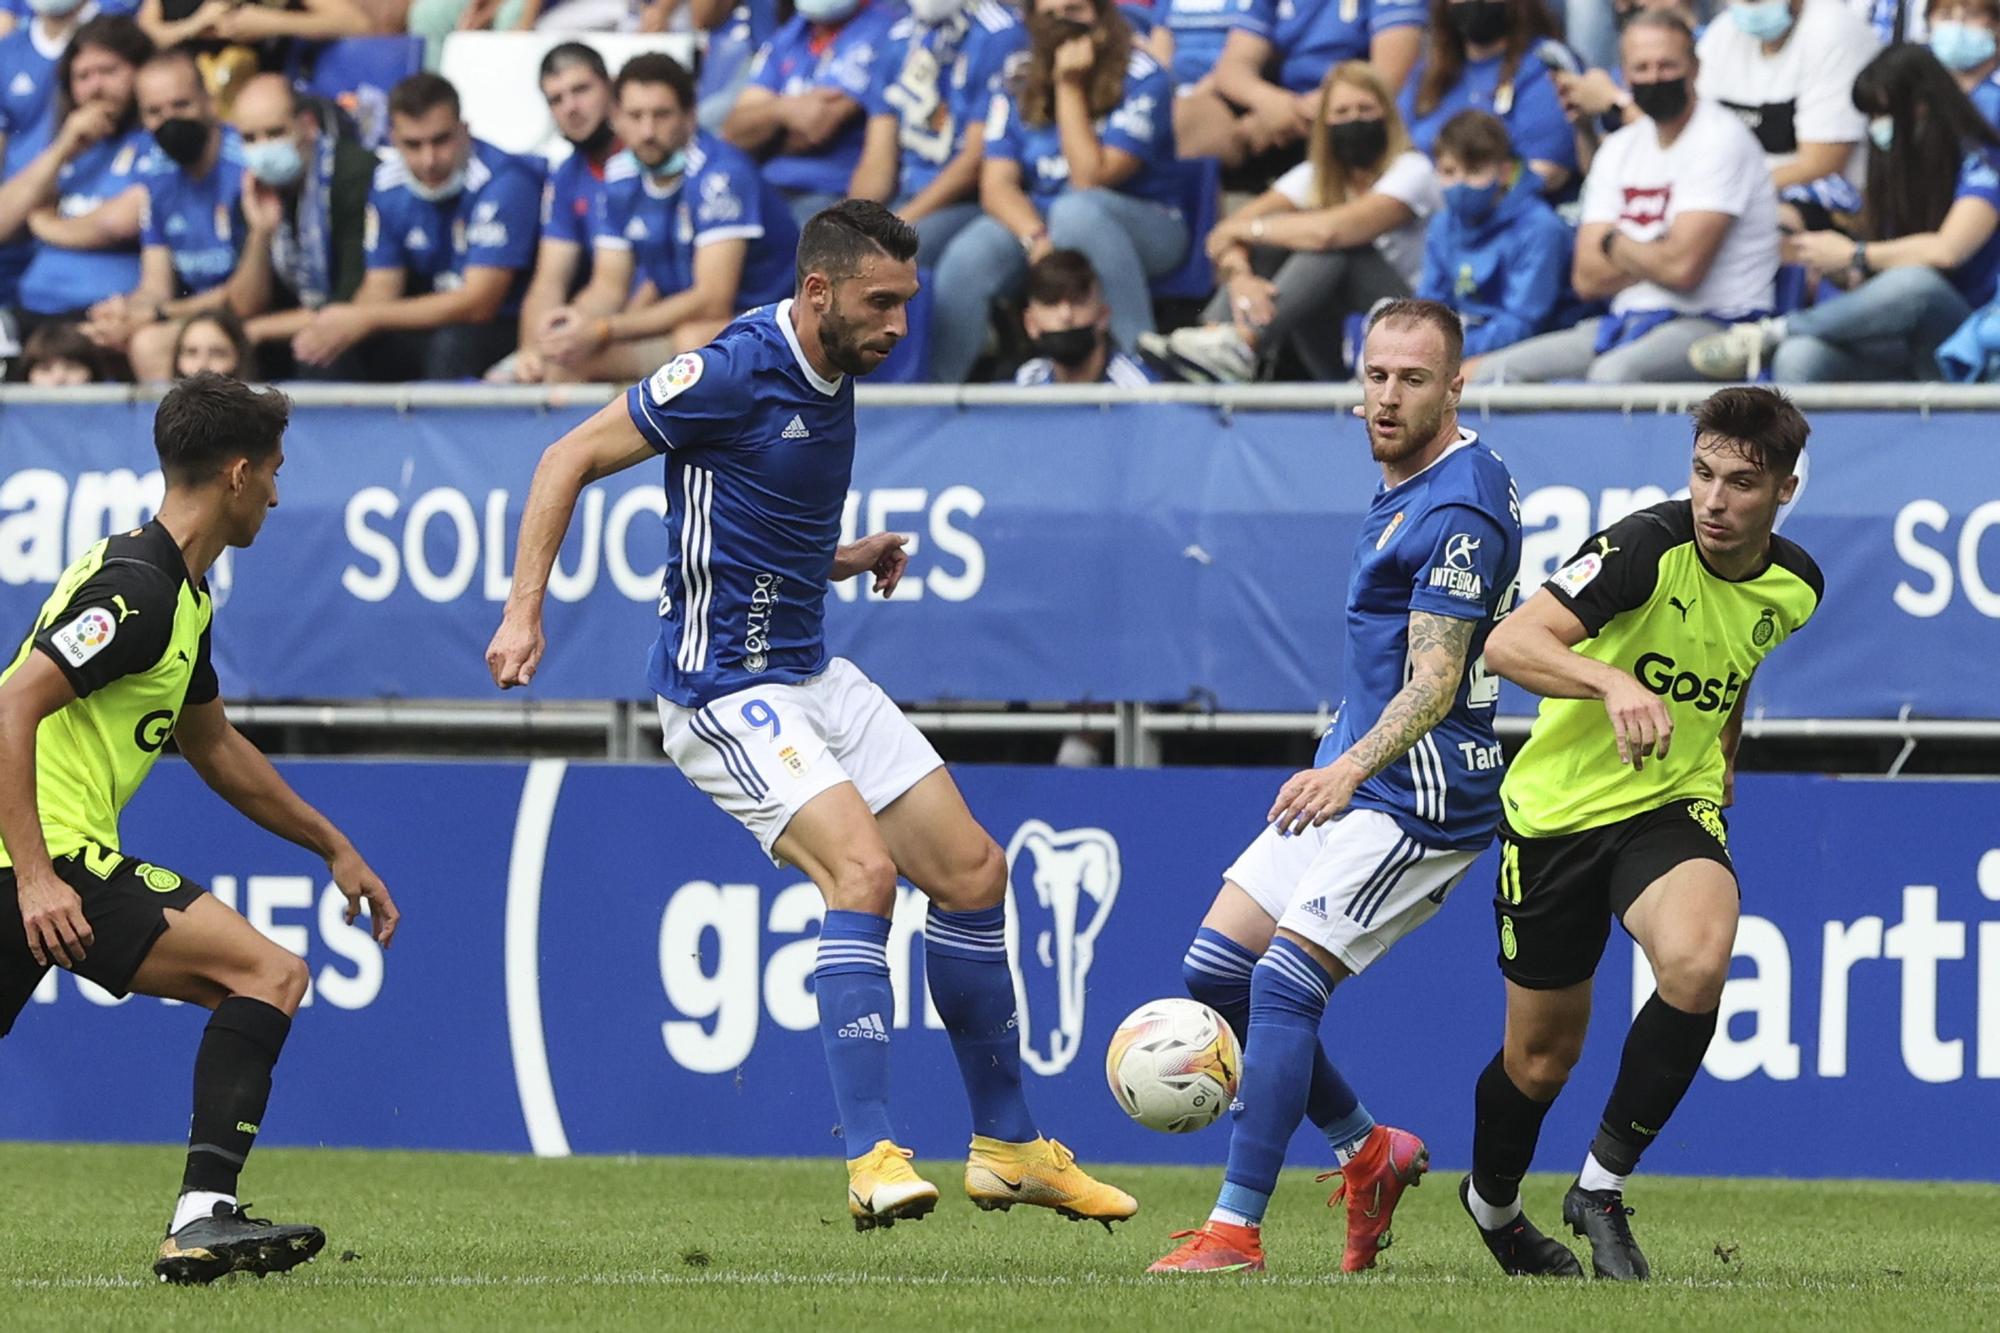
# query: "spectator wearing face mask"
28,57
1497,253
213,341
451,229
1069,328
1787,69
1339,232
1930,248
1596,101
1495,56
577,87
193,218
83,197
1962,38
802,112
304,202
1679,231
688,236
934,81
1079,158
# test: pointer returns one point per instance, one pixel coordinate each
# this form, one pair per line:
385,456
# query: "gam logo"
1061,886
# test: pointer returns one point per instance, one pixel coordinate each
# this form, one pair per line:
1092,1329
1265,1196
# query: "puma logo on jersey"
1604,548
1682,607
124,612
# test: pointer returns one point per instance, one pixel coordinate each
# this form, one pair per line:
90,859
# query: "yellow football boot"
1042,1173
883,1190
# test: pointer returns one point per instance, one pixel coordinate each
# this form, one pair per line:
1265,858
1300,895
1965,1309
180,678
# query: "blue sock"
965,961
856,1005
1288,993
1217,972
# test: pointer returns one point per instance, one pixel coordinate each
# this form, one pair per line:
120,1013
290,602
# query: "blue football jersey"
719,197
60,280
1142,125
805,55
199,221
937,80
759,451
1310,37
570,201
1448,542
491,223
28,120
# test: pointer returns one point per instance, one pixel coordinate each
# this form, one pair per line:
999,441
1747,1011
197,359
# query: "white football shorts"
1353,886
764,751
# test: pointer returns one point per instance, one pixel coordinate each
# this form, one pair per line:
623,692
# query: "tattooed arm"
1436,665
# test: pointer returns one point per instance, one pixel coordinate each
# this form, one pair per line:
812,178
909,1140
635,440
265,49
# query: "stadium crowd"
1217,190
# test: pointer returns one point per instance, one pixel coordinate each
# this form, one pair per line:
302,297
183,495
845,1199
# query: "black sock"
232,1083
1662,1052
1506,1123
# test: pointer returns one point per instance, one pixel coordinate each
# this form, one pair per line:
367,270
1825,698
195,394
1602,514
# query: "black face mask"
596,143
1662,101
182,139
1068,348
1358,143
1480,21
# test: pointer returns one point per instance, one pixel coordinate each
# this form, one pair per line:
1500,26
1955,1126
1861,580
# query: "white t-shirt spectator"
1715,166
1804,93
1410,180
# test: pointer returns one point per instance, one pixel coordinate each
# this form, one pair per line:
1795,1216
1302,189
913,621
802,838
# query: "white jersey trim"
697,584
783,315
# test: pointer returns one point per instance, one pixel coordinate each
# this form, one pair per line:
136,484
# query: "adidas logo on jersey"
416,240
868,1027
22,85
1315,909
795,429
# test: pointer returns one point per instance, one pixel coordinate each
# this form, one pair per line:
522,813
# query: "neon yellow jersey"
130,632
1655,609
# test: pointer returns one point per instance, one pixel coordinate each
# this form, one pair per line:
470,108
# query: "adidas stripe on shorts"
1353,886
763,752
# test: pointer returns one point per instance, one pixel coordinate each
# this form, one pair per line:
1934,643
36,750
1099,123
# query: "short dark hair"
1061,275
1664,19
1475,139
568,54
836,240
65,340
1759,422
208,419
421,94
1439,316
107,32
659,68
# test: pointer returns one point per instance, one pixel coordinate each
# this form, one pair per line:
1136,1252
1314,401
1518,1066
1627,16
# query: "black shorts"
124,900
1557,895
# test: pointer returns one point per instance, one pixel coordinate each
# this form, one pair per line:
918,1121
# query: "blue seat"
910,363
1200,199
356,73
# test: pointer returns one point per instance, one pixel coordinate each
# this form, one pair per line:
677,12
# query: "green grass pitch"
494,1243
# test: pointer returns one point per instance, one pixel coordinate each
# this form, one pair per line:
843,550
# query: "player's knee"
978,881
1690,977
1540,1065
279,979
865,883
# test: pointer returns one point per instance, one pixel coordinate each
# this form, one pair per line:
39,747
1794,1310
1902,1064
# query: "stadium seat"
357,73
910,363
1201,197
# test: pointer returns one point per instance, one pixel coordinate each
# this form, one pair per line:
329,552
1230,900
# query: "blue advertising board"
1150,552
594,960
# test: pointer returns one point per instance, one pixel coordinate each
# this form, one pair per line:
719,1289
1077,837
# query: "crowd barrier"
1062,548
594,960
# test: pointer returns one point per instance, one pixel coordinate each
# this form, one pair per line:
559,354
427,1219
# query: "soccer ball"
1173,1065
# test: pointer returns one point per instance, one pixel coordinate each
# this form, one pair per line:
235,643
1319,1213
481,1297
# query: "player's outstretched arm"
238,772
1532,647
1439,646
51,911
881,554
605,444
